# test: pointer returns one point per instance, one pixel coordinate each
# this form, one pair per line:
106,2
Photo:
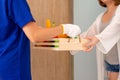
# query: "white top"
112,56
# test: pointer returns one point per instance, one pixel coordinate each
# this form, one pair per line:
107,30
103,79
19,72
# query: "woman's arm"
108,37
90,32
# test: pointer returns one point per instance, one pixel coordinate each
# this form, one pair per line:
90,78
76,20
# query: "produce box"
62,44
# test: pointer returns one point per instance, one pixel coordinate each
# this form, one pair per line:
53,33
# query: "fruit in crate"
62,36
48,23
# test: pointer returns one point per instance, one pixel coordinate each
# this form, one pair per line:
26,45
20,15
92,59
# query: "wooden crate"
62,44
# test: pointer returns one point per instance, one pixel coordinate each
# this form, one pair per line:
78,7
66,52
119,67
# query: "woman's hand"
92,42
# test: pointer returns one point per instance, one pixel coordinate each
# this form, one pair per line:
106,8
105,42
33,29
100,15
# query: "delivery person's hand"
71,30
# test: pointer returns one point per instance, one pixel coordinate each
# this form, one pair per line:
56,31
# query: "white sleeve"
110,35
91,31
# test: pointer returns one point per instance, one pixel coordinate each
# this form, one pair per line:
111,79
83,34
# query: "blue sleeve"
20,12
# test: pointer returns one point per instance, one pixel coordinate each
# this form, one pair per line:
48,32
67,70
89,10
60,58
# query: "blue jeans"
111,67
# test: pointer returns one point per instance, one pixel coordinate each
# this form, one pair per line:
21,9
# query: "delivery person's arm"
36,33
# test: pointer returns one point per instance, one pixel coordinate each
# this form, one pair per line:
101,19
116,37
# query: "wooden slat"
62,44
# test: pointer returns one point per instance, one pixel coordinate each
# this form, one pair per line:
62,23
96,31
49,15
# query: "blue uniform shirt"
14,45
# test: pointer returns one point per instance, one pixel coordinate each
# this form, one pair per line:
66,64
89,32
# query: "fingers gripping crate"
62,44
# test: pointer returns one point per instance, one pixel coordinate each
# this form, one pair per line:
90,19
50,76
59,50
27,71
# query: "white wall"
85,12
